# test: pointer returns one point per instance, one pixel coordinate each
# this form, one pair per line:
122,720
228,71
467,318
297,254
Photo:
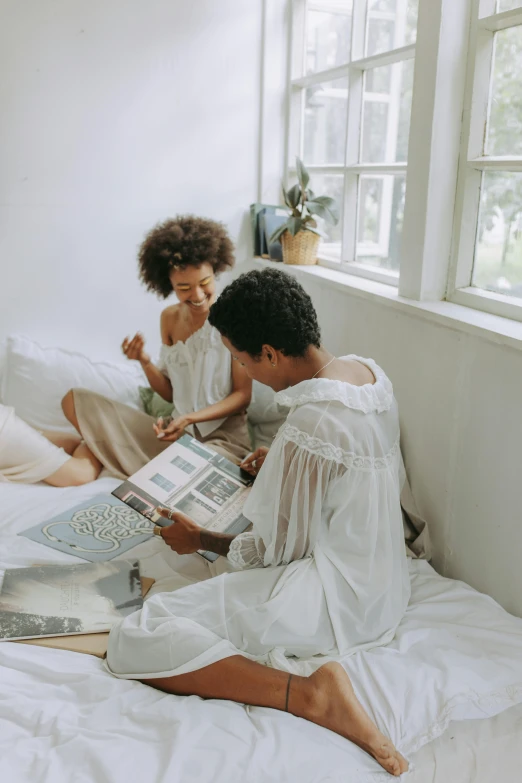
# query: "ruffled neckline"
371,398
202,338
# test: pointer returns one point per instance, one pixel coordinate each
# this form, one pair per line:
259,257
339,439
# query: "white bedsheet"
63,718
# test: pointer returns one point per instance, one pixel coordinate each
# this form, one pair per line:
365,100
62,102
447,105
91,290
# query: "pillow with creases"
34,379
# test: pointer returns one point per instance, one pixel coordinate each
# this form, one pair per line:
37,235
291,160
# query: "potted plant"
299,235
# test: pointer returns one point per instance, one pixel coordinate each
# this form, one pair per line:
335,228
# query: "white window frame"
351,169
484,23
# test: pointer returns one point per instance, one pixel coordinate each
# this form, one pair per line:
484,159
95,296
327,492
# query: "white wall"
460,403
116,114
459,397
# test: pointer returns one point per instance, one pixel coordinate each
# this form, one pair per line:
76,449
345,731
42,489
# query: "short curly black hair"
266,308
185,240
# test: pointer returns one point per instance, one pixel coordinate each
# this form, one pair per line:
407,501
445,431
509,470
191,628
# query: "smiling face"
195,286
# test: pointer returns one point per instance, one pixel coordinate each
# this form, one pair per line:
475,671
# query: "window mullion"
435,133
294,96
474,127
353,135
481,91
358,30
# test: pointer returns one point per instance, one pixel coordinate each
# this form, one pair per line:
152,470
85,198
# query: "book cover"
89,643
98,529
192,478
58,600
271,223
257,213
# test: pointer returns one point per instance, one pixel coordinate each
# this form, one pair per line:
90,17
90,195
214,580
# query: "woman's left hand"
254,462
183,536
174,430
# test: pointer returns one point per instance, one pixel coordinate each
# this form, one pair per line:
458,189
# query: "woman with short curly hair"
323,573
183,255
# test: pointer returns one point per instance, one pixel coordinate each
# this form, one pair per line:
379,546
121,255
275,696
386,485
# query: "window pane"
380,219
329,185
508,5
325,122
390,24
386,113
328,31
498,255
505,112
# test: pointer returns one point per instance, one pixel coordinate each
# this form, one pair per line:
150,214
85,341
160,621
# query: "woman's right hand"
254,462
134,349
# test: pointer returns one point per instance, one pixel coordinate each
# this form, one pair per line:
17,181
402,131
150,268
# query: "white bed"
65,719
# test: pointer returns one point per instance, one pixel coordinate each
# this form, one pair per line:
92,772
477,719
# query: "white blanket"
457,656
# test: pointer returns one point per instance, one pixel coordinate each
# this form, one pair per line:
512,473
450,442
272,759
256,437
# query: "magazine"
87,643
98,529
59,600
192,478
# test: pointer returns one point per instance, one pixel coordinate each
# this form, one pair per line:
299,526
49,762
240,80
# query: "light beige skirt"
123,440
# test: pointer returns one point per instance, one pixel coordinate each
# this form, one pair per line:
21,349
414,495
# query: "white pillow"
34,380
263,407
265,415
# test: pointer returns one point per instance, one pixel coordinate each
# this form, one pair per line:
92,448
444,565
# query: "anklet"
288,691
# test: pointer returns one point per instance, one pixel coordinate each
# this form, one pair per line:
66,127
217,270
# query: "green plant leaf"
325,207
280,230
294,224
294,196
302,174
285,197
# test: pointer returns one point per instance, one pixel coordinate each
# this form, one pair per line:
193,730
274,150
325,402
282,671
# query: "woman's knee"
73,473
69,409
68,405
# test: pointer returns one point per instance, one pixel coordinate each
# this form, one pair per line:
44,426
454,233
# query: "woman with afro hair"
210,393
323,573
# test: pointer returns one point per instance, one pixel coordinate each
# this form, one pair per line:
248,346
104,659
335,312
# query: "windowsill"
493,328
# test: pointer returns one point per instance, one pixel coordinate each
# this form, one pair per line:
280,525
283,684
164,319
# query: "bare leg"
82,468
69,409
326,698
66,442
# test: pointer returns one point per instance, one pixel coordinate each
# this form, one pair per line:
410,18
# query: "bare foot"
328,699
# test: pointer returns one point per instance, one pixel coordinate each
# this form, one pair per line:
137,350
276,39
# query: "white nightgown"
323,571
200,371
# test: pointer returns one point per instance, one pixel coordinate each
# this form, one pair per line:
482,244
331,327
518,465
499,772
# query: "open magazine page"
191,478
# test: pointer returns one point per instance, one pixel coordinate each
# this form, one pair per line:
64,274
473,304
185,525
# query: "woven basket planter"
301,249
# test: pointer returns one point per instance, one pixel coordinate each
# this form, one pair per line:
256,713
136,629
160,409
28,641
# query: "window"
350,100
487,263
443,208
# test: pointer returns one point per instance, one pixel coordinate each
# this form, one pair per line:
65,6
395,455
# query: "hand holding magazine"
192,480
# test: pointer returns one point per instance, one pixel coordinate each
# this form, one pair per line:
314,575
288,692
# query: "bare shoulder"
352,371
169,320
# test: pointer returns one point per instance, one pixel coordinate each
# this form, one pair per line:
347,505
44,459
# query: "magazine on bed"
192,478
61,600
98,529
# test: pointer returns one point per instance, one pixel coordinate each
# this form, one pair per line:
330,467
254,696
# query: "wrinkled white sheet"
64,719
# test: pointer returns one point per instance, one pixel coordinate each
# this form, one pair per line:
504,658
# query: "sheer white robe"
323,571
